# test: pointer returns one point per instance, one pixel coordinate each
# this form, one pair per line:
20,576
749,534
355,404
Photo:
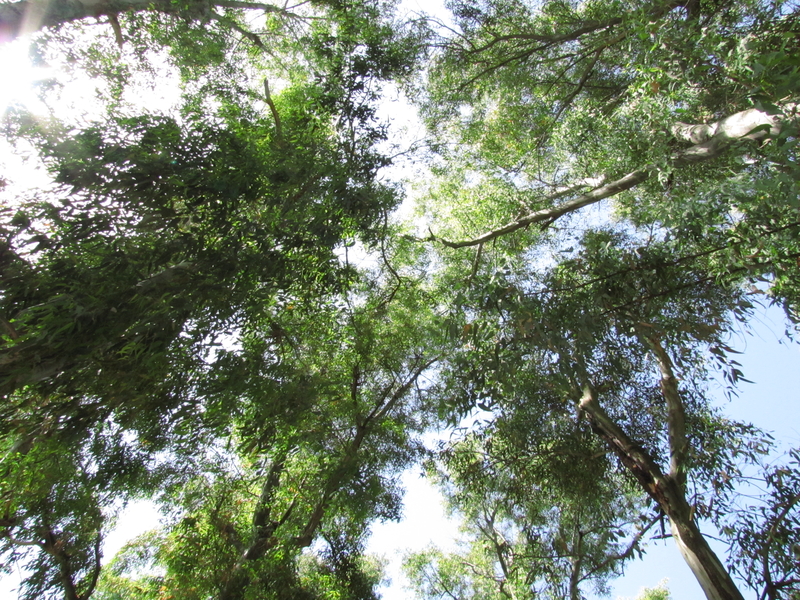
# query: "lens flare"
18,76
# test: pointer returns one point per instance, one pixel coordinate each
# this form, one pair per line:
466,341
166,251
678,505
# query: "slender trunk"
574,579
577,561
667,491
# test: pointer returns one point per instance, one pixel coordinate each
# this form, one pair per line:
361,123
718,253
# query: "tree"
296,436
318,453
613,184
171,236
529,357
543,111
541,138
658,593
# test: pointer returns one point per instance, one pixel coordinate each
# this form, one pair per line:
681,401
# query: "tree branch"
236,27
751,124
55,548
96,568
712,139
633,456
765,551
628,551
262,527
676,413
274,111
348,461
548,215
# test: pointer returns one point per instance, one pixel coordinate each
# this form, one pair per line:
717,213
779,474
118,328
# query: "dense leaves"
610,187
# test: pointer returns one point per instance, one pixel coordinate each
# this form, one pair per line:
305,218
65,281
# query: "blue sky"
771,402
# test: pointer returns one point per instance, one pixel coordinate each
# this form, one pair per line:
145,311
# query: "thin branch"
114,21
770,537
548,41
580,85
267,8
17,542
336,478
274,111
388,265
236,27
676,413
676,262
475,264
628,551
548,215
96,568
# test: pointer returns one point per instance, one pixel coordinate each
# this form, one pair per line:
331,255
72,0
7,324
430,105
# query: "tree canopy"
610,188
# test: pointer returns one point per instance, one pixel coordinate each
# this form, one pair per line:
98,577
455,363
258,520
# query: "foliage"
612,185
608,322
162,309
657,593
540,521
765,545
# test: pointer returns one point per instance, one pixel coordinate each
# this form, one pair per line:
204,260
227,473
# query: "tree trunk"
666,490
575,573
710,573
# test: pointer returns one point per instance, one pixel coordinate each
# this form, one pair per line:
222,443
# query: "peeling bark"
712,139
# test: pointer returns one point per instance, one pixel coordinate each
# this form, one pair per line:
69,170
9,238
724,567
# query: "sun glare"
19,76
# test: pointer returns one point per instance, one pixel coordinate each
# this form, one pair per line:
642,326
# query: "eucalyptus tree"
594,347
612,180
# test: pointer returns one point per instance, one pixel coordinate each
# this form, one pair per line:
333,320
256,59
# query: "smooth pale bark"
668,492
676,413
710,141
32,15
549,215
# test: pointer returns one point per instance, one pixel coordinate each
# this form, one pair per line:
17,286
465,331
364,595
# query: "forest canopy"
233,304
